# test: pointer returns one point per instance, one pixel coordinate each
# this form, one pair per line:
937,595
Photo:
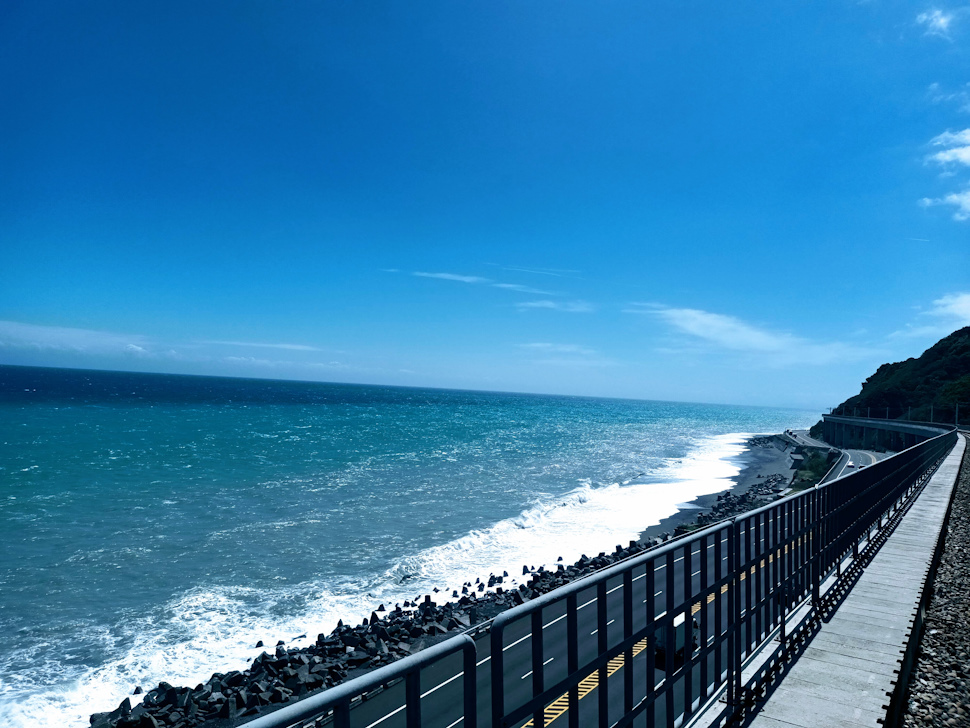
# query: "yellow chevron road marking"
587,685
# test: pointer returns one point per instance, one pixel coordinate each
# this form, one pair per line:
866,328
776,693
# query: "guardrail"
680,620
750,572
338,699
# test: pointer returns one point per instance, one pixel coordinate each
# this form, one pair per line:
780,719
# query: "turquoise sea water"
156,527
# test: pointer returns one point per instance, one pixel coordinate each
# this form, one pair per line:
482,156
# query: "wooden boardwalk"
849,671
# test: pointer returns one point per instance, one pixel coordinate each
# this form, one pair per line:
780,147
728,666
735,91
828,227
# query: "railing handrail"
607,572
316,705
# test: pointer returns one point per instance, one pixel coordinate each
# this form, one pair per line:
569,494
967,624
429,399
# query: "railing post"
469,667
734,609
538,683
412,689
816,547
572,654
498,676
341,714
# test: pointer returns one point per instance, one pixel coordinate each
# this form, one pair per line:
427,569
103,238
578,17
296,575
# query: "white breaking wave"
215,630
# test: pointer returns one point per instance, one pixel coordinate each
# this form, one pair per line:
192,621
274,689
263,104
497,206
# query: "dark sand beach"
764,457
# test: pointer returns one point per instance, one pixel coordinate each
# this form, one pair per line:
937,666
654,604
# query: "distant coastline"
758,462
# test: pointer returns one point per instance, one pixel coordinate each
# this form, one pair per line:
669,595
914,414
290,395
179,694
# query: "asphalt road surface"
441,684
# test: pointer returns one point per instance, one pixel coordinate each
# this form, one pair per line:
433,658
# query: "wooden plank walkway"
847,674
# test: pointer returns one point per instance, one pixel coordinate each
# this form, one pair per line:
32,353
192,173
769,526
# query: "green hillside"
939,378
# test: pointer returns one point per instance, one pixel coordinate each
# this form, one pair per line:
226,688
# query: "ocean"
156,527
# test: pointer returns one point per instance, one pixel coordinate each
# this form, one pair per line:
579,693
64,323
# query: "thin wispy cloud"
261,345
728,332
452,277
947,314
566,355
524,289
936,22
566,306
548,348
556,272
282,364
479,280
961,97
16,335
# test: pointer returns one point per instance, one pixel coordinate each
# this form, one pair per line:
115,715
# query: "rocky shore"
283,674
765,474
286,674
939,687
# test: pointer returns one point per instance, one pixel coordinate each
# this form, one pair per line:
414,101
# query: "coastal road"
857,459
803,438
441,686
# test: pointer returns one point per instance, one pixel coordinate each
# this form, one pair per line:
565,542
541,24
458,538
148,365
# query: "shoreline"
758,463
276,678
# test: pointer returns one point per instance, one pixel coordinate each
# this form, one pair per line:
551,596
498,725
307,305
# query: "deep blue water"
156,526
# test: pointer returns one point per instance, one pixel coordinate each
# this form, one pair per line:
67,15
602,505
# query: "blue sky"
752,203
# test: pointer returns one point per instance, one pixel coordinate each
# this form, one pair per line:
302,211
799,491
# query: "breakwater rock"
288,674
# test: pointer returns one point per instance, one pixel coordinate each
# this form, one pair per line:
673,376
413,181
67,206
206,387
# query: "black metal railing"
679,621
764,562
336,702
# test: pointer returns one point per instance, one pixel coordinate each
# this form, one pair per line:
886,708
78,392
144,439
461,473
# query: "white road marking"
530,671
381,720
441,685
523,639
607,624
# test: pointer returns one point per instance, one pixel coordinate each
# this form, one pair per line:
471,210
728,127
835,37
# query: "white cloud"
728,332
959,155
725,331
950,138
954,306
568,306
59,338
452,277
956,151
961,200
936,22
260,345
